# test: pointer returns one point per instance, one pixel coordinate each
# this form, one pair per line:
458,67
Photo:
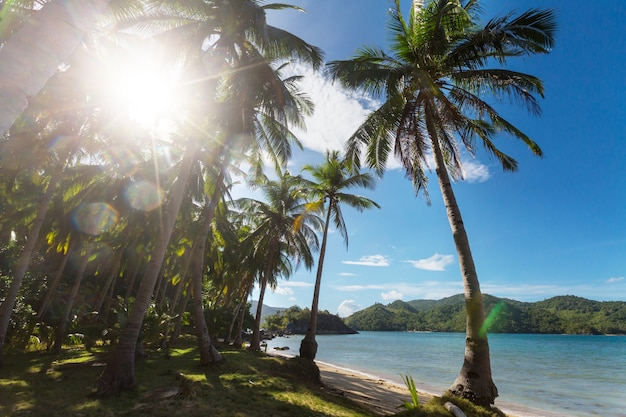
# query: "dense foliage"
558,315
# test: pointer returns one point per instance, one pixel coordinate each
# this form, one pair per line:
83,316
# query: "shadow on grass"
245,384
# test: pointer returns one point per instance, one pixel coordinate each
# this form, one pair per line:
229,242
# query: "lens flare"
491,317
94,218
144,195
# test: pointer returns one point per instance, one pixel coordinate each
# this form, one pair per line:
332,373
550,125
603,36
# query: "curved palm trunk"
35,52
474,381
119,373
308,346
22,263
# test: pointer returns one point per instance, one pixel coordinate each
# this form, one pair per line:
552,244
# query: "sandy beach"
383,396
379,395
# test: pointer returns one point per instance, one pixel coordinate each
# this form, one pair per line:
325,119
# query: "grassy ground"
246,384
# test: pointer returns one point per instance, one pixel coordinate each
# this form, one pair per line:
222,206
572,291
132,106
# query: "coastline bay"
537,375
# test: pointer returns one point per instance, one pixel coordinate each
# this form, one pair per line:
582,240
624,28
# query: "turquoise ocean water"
536,375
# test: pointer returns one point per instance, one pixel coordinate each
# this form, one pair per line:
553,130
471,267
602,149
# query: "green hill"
563,314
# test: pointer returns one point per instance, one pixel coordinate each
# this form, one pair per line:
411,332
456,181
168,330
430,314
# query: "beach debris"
454,410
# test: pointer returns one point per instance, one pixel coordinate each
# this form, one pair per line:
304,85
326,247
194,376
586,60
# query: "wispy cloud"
295,284
370,260
347,308
347,274
615,279
436,262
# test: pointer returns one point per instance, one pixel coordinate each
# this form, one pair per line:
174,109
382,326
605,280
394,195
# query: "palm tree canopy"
331,180
439,69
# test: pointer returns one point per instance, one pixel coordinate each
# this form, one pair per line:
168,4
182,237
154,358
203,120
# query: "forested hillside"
563,314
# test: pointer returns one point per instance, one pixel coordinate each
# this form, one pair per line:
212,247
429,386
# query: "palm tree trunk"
119,373
208,353
6,309
35,52
45,304
102,292
62,327
308,346
474,381
255,342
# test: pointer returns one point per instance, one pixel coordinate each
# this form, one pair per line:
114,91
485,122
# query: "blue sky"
556,227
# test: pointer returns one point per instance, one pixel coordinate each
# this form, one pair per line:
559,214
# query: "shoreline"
387,396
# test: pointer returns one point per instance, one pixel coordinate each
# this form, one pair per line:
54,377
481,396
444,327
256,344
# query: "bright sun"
145,89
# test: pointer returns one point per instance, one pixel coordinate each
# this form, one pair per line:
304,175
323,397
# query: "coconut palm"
433,83
330,182
282,232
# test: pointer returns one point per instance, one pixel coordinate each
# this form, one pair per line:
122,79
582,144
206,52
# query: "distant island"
295,320
557,315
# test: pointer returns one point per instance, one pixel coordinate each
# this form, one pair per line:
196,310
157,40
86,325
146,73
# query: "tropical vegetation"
119,230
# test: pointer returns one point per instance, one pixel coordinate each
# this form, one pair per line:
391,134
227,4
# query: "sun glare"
145,90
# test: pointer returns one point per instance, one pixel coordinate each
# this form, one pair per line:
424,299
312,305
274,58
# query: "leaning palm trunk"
474,381
119,373
308,346
35,52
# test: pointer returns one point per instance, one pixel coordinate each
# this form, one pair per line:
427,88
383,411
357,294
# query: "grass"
245,384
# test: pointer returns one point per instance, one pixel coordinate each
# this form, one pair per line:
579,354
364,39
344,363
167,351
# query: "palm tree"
331,179
433,84
281,232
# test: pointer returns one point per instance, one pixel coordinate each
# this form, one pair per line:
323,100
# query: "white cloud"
474,171
338,112
347,308
615,279
370,260
436,262
281,290
347,274
392,295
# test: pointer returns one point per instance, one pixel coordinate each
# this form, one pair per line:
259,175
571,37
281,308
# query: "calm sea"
536,375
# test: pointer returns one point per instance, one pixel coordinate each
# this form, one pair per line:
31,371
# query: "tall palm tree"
433,83
331,180
282,231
